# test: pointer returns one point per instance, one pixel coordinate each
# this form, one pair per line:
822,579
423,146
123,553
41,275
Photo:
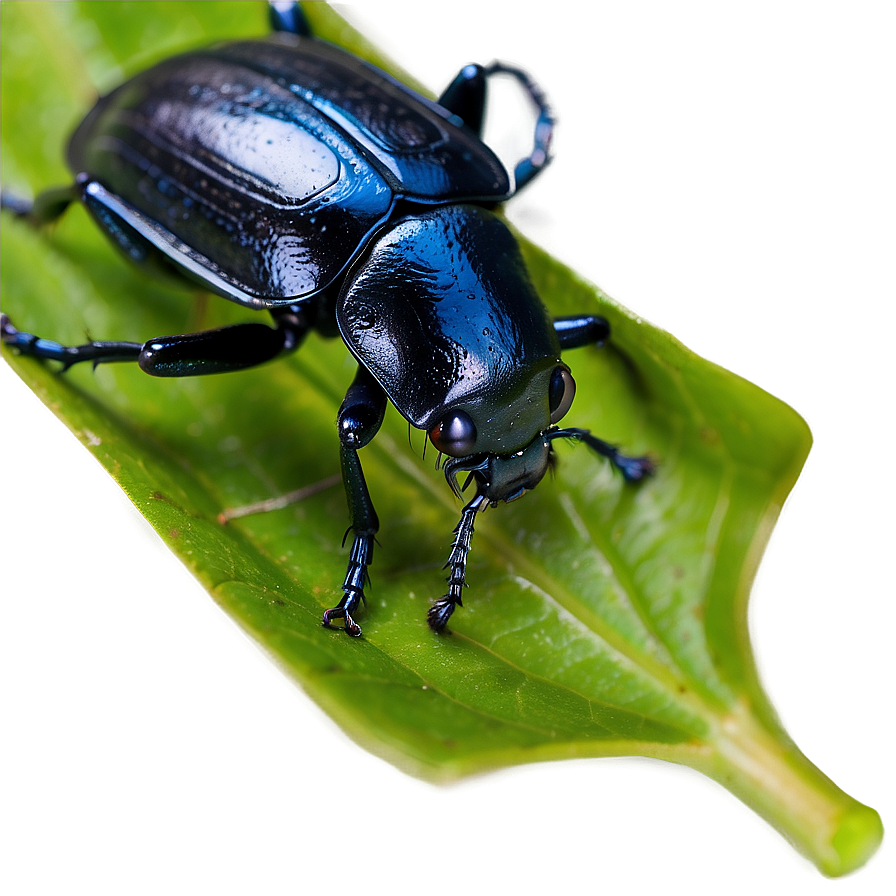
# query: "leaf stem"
769,773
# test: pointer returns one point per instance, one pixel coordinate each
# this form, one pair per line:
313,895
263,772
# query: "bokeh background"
726,171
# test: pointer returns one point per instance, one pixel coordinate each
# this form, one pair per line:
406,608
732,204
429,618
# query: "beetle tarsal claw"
341,612
356,577
440,612
634,469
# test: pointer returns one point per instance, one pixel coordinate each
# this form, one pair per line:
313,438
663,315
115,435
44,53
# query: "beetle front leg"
359,421
581,329
633,469
441,610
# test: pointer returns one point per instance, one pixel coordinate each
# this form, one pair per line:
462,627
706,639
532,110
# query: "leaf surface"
602,619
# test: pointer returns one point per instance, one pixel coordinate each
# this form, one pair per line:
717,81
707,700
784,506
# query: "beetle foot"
7,330
440,612
18,206
356,578
14,337
343,611
634,469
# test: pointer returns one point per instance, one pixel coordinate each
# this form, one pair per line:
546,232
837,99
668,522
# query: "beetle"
291,177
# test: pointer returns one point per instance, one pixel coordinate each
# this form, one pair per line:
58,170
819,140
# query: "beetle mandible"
291,177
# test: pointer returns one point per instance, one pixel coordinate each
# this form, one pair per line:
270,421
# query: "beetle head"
505,475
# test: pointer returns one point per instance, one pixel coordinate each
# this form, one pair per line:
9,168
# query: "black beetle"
289,176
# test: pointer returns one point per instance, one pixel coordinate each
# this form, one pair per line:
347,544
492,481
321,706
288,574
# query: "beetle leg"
533,164
588,329
359,421
226,349
465,97
633,469
580,330
441,610
45,208
46,349
286,16
191,354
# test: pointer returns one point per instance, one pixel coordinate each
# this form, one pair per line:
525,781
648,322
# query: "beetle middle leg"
466,96
45,208
220,350
360,418
287,17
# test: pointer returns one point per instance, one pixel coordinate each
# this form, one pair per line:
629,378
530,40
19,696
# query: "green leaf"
603,619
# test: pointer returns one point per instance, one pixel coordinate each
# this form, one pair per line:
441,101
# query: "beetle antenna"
633,469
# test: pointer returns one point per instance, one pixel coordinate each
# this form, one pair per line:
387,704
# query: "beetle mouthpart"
457,465
506,477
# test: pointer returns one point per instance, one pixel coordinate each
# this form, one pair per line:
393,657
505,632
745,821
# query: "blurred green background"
727,171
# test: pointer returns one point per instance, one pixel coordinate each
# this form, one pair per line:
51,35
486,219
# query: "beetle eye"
561,393
455,435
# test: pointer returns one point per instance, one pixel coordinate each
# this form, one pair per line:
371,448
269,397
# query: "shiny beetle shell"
262,167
